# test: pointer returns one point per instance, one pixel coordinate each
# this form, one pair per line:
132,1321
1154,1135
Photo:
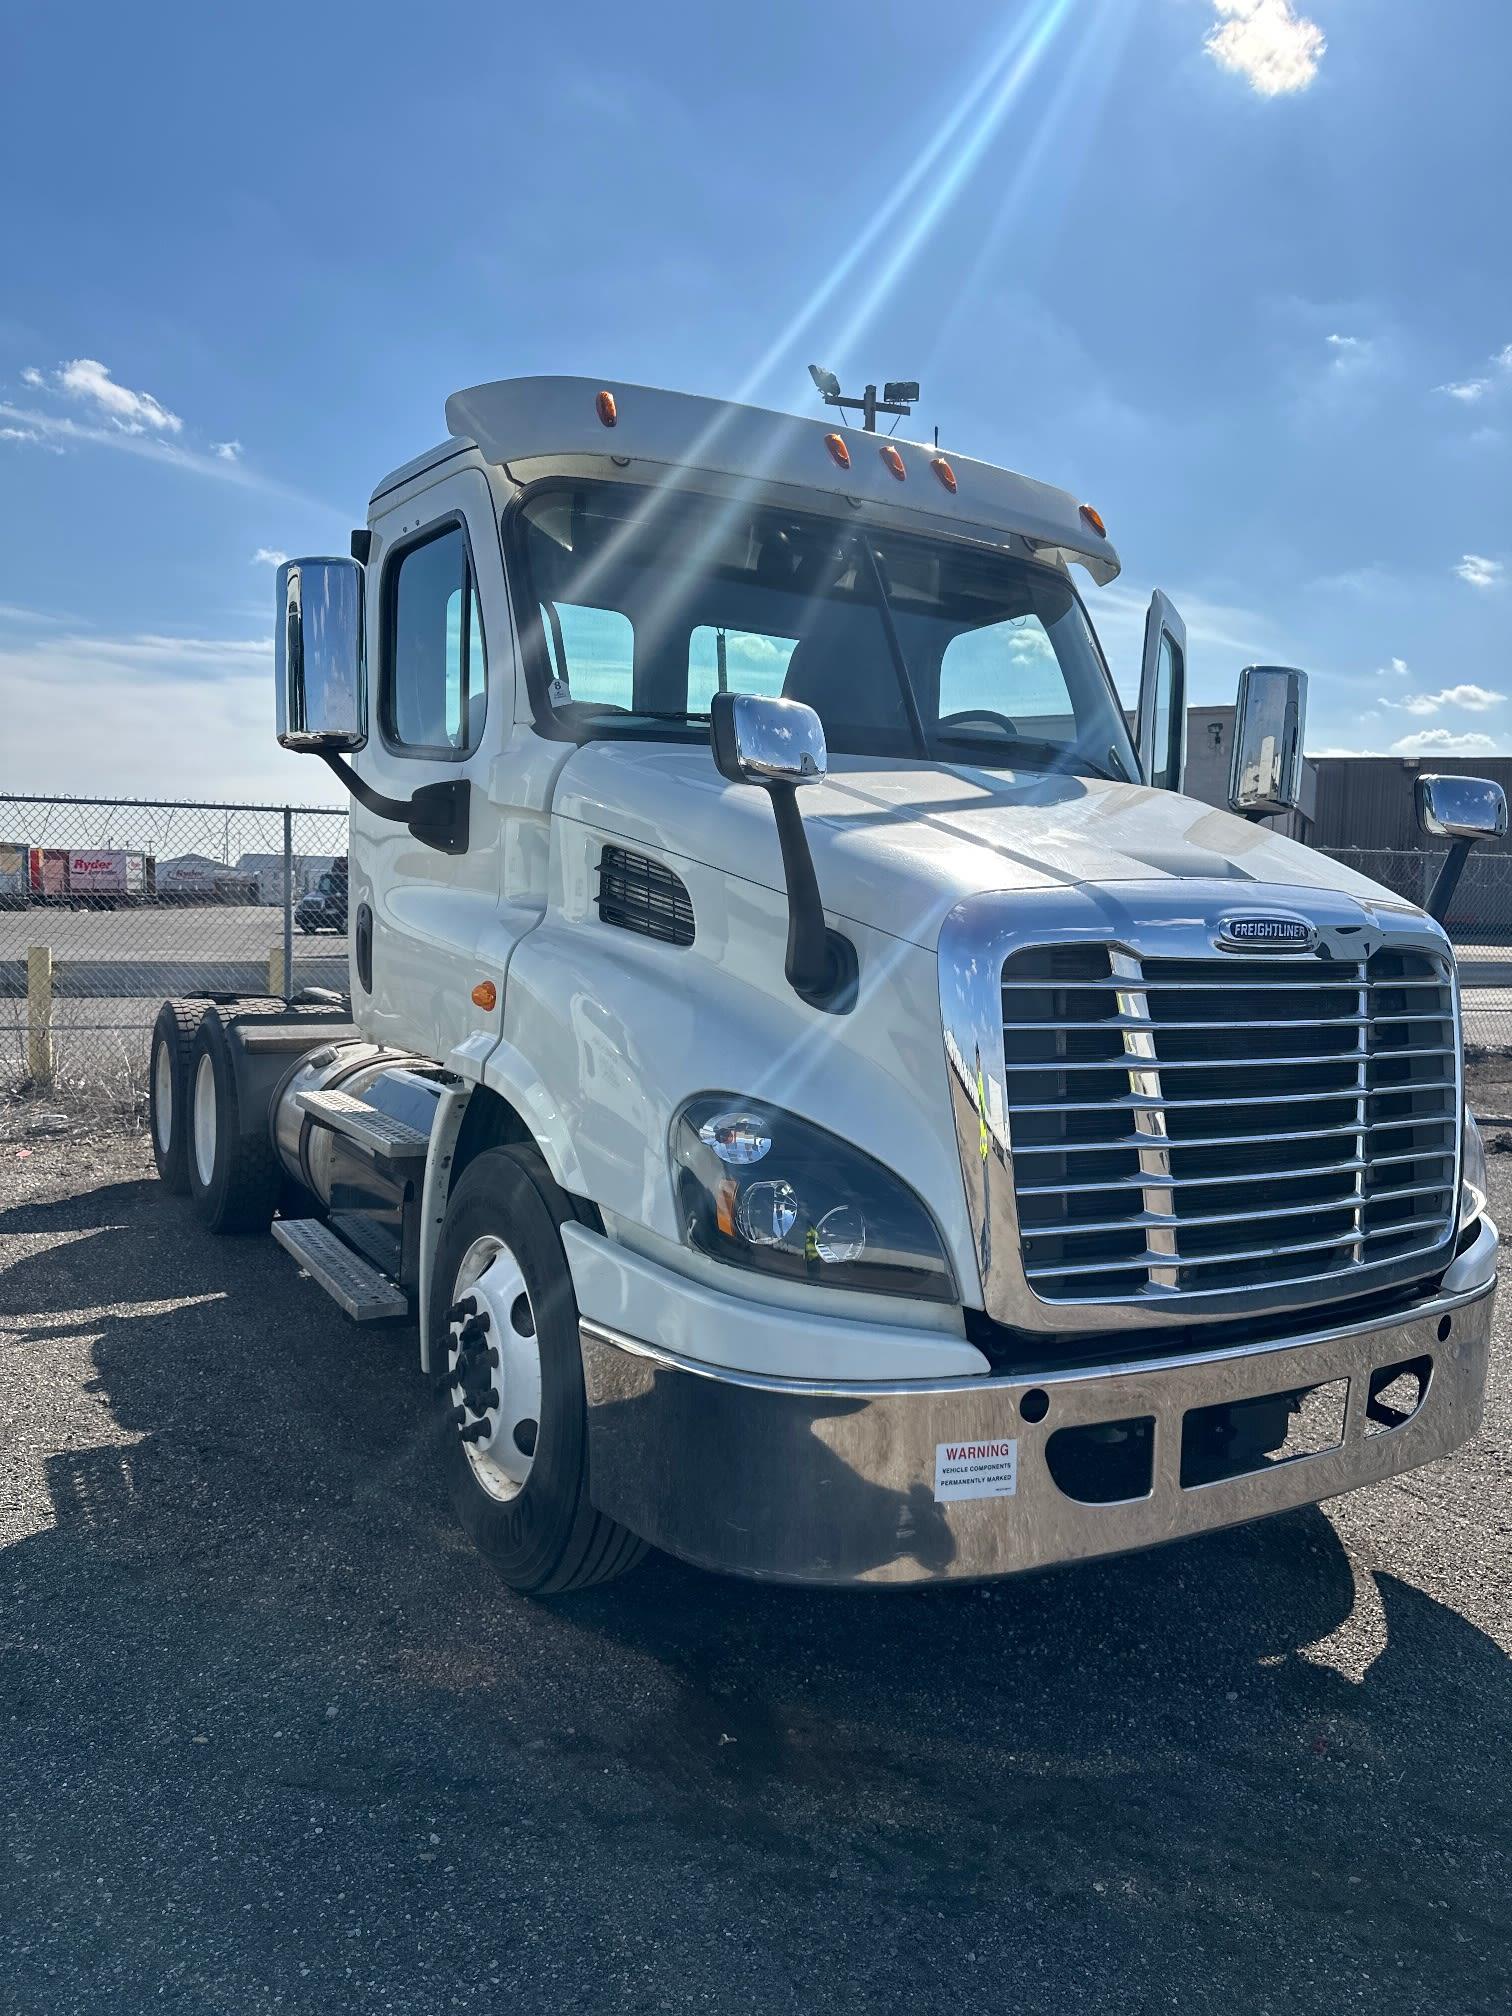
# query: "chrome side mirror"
759,741
1461,808
1265,773
318,662
778,745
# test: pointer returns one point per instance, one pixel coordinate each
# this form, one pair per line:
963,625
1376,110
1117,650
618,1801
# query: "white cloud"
32,376
1398,666
1468,390
1442,742
133,412
1268,43
268,556
1474,699
1479,571
228,451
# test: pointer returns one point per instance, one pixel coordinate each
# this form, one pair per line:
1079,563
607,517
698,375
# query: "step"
354,1283
387,1139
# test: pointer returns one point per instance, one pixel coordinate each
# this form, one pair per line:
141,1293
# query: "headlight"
761,1188
1472,1173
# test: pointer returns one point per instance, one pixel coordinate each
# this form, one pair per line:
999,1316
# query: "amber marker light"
893,460
608,412
945,473
485,995
1094,519
839,453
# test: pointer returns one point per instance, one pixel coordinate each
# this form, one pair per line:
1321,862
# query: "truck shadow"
243,1488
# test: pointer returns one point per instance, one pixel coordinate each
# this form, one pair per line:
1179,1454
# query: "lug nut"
475,1431
468,1306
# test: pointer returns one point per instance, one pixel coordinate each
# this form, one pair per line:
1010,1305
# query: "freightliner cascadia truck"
831,1106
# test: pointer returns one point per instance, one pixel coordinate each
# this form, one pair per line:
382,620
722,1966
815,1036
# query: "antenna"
899,396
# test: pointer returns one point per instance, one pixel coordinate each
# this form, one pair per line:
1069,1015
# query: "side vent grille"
642,895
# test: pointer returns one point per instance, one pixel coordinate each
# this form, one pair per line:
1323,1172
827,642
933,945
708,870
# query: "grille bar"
1250,1176
1348,1058
1347,1151
1346,1200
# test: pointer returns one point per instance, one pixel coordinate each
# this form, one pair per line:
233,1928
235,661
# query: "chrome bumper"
838,1483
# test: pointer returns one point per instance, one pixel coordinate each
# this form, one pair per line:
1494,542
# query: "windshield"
647,604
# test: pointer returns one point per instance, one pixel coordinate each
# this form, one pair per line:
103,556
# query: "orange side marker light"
485,995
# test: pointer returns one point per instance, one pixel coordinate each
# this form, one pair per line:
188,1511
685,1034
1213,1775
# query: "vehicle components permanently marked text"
975,1470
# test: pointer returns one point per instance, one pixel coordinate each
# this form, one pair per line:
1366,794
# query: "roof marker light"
1094,519
839,453
608,412
893,460
946,474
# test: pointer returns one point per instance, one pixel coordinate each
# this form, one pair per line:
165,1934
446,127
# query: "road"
276,1740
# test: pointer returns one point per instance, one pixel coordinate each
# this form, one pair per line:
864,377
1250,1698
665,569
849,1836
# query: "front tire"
513,1417
173,1036
234,1175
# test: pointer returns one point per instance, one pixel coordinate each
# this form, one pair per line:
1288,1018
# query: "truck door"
425,928
1162,697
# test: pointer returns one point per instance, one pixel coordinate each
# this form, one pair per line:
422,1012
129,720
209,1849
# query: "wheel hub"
493,1367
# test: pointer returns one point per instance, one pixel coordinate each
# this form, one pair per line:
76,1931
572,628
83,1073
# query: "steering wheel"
970,714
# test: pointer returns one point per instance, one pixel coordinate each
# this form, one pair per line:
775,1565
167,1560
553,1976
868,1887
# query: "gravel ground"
275,1740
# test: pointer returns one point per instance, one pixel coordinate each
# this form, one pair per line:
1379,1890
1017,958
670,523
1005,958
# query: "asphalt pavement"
273,1739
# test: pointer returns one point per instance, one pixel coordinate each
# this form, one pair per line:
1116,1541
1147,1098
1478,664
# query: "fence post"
39,1003
287,990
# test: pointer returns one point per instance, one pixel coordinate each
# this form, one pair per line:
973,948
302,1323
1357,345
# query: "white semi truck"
836,1111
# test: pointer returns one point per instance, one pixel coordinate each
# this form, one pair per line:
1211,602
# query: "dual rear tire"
203,1145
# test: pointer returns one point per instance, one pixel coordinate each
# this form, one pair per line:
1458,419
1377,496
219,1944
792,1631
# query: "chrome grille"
1180,1126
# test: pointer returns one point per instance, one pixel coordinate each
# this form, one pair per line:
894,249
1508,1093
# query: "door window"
435,672
1165,751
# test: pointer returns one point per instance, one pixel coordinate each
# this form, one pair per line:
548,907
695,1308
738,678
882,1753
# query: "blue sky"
1235,270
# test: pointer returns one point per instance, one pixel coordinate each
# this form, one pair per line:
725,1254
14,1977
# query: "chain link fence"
1479,922
109,906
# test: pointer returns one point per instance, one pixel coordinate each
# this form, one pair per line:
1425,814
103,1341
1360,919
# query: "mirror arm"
437,814
821,965
1447,880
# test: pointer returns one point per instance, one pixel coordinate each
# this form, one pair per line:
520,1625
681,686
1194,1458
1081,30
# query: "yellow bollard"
276,973
39,1006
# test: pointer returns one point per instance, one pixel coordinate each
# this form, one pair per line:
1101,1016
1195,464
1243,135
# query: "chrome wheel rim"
204,1121
162,1097
493,1368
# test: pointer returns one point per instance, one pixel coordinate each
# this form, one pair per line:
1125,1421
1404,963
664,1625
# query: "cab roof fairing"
518,421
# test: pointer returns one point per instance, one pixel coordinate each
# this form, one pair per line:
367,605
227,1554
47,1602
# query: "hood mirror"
1265,774
760,741
778,745
1460,810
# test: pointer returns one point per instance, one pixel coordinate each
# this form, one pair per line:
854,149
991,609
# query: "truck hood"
898,845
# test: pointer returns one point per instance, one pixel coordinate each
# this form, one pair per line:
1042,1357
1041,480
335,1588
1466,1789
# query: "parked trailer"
14,875
105,878
49,874
1007,1161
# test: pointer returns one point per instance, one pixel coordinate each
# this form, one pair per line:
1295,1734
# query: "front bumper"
841,1483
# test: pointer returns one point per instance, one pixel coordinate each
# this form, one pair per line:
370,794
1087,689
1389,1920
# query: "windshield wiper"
1053,755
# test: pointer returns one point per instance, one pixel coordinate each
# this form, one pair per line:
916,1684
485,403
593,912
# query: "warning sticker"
975,1470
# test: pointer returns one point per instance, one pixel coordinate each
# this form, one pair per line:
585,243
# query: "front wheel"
504,1325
